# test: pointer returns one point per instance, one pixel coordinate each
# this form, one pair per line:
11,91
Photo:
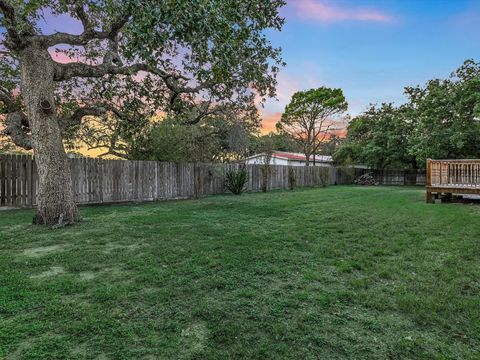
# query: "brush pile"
365,179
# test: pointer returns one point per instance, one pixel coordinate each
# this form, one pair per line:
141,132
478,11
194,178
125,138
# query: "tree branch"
8,12
119,114
88,34
17,123
205,110
77,116
83,17
68,71
8,100
111,150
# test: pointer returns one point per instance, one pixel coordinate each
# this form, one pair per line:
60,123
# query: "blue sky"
372,49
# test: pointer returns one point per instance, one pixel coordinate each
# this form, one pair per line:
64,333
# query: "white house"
289,158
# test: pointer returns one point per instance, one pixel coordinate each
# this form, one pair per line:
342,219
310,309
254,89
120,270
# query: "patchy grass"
341,272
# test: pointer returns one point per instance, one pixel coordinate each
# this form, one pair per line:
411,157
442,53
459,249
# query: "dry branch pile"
365,179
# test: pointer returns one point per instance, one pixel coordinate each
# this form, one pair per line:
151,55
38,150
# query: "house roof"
295,156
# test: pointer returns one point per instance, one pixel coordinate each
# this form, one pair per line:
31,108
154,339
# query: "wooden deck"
452,177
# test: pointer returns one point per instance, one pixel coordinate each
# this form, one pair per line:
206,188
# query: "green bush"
347,174
292,180
324,176
236,181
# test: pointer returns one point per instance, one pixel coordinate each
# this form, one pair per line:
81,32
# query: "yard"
340,272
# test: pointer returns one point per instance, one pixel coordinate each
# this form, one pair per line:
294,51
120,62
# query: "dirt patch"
87,275
25,345
43,250
76,299
195,338
53,271
80,351
112,272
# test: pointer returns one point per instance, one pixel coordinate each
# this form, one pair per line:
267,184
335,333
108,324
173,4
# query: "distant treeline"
440,120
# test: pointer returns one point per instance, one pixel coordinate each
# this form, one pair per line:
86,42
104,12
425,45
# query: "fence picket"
103,181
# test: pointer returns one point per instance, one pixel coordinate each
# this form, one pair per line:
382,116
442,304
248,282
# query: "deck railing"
463,174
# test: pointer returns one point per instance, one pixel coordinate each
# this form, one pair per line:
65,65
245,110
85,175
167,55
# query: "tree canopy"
133,59
440,120
272,141
309,118
219,137
447,116
378,138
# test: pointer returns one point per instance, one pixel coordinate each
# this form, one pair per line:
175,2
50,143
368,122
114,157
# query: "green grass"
341,272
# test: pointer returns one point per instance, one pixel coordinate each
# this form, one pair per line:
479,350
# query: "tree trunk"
307,159
56,205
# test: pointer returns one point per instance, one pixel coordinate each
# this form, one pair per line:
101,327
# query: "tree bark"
56,205
307,159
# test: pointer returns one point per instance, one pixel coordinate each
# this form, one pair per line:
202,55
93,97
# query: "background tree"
440,120
267,147
447,116
273,141
379,138
310,117
218,137
331,145
167,54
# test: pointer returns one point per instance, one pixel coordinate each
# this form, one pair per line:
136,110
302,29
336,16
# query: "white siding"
260,160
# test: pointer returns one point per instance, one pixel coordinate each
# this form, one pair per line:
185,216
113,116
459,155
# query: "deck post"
429,198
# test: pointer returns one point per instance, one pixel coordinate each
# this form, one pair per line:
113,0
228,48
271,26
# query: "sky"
371,49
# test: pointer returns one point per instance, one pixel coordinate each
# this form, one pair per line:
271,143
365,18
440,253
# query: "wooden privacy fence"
18,182
452,177
105,181
382,176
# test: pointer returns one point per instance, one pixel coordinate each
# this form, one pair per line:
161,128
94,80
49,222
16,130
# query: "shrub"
324,176
347,174
291,178
236,181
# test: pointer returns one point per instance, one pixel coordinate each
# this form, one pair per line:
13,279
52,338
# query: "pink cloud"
320,10
269,120
286,87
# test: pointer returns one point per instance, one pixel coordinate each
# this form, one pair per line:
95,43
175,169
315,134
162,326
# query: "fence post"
97,181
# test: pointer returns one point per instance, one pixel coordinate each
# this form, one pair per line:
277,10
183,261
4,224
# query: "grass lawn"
341,272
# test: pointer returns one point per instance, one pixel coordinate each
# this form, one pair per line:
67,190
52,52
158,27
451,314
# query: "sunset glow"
369,49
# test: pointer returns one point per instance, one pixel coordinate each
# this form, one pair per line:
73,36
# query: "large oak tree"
160,55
